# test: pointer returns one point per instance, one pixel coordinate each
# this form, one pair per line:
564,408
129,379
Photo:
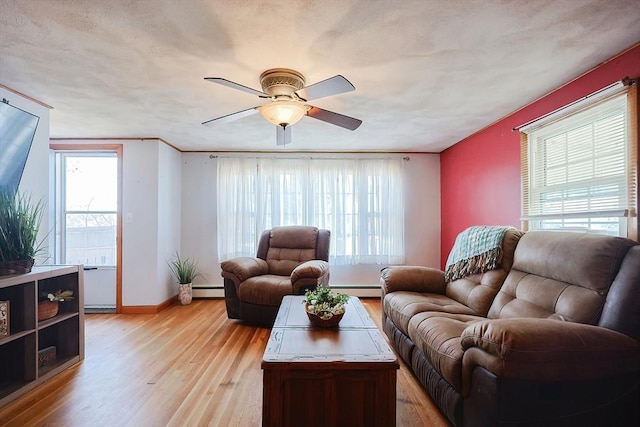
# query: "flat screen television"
17,129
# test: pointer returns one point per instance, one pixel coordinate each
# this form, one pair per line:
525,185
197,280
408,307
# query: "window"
579,168
88,201
359,200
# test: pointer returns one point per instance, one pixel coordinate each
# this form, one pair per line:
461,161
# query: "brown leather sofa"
551,337
289,260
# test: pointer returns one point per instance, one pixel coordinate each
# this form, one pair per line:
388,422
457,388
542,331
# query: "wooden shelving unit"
20,370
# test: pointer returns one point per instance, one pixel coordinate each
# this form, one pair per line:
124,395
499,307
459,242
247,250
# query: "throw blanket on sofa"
476,250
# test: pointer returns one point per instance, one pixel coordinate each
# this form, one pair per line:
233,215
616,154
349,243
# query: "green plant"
19,225
184,269
324,303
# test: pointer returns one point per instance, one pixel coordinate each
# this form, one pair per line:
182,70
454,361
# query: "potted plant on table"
19,225
184,270
324,307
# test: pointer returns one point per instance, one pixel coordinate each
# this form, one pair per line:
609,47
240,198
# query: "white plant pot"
185,293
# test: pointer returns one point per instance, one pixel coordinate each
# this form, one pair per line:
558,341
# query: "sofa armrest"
547,350
243,268
309,274
412,278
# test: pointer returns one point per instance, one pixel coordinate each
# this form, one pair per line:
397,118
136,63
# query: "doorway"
88,220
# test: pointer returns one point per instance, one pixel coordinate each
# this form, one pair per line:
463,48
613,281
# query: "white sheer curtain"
360,200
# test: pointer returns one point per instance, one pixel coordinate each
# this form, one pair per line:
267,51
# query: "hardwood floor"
186,366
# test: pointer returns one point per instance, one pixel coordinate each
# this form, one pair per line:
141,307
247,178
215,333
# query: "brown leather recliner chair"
289,261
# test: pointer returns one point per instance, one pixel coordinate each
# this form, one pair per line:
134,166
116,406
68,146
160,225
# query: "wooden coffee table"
327,377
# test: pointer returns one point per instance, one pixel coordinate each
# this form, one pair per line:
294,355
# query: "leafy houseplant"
56,296
324,307
184,270
19,225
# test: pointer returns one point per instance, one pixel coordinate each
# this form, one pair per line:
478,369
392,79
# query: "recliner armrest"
309,273
413,279
547,350
244,267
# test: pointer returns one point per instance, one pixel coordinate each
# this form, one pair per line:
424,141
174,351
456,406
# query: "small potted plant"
184,270
324,307
49,303
19,225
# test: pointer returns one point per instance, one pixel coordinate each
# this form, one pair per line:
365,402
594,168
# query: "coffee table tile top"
327,345
292,314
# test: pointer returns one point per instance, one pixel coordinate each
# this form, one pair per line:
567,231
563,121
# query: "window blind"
579,169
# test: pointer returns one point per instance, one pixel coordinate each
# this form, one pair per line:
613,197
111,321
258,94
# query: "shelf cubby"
20,369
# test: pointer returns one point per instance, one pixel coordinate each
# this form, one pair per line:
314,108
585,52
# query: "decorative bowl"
47,310
331,322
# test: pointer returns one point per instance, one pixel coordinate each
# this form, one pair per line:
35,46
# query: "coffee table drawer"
337,394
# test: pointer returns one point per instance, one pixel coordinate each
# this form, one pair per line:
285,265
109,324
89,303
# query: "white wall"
422,210
422,228
169,216
198,228
35,179
140,224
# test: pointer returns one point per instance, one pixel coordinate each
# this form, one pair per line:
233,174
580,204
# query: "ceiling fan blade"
334,118
332,86
234,85
283,135
231,117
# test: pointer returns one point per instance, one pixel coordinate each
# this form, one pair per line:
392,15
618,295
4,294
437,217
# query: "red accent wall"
480,175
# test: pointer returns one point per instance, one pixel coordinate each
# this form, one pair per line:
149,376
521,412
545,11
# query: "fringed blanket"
476,250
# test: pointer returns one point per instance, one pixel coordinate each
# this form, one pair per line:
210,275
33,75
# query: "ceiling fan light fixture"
283,113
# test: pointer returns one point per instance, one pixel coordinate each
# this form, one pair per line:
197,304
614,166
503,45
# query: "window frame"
567,118
61,212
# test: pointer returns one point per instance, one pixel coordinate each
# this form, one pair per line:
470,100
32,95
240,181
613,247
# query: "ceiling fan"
288,94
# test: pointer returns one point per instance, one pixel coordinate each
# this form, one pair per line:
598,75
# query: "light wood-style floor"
186,366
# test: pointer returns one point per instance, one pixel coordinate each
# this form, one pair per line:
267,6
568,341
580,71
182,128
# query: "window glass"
578,171
88,197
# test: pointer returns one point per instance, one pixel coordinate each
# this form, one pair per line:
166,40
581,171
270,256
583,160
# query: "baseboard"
148,309
99,310
217,291
208,291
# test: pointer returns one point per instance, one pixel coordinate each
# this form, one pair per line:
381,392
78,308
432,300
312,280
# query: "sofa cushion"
268,289
551,350
401,306
437,335
560,275
477,291
290,247
294,236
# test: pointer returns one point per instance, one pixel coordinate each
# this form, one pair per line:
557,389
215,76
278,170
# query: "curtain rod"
214,156
624,82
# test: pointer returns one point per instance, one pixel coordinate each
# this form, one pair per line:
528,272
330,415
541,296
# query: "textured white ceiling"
427,73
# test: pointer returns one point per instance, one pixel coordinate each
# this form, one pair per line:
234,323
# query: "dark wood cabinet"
20,368
314,377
